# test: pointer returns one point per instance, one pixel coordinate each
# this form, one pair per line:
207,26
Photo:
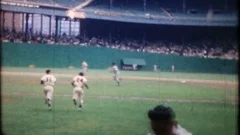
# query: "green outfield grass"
28,116
129,88
123,111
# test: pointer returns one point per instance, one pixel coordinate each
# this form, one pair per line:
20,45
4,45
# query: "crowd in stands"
204,49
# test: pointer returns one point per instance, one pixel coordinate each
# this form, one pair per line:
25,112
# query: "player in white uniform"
116,73
84,67
134,66
48,81
163,122
79,82
155,68
173,68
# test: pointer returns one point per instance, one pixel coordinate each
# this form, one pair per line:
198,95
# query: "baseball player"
84,67
116,73
173,68
48,81
134,66
163,122
155,68
79,82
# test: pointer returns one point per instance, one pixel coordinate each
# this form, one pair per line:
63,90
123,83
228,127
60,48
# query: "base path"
212,83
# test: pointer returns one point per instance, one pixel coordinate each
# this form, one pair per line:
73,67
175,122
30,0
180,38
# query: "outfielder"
155,68
79,82
48,81
173,68
116,73
84,67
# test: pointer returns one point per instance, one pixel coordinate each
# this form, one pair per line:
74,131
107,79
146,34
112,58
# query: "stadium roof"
54,9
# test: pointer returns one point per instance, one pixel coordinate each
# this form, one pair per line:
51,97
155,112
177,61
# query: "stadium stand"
173,12
195,13
226,49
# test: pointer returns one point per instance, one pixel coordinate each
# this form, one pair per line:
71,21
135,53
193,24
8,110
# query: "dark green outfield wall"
22,55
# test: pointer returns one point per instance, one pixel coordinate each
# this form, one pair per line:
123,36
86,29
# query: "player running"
79,82
48,81
116,73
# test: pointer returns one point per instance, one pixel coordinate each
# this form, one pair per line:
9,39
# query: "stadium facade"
58,9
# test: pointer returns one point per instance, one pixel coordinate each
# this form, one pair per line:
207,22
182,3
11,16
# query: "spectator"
206,49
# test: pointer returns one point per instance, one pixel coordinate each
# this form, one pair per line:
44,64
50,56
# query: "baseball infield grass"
112,110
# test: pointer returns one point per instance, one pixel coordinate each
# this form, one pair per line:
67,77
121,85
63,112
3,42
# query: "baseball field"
205,104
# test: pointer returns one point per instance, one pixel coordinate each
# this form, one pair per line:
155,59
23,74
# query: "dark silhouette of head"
162,120
48,71
81,74
113,63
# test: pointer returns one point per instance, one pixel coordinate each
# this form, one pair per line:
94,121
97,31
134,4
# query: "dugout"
128,63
